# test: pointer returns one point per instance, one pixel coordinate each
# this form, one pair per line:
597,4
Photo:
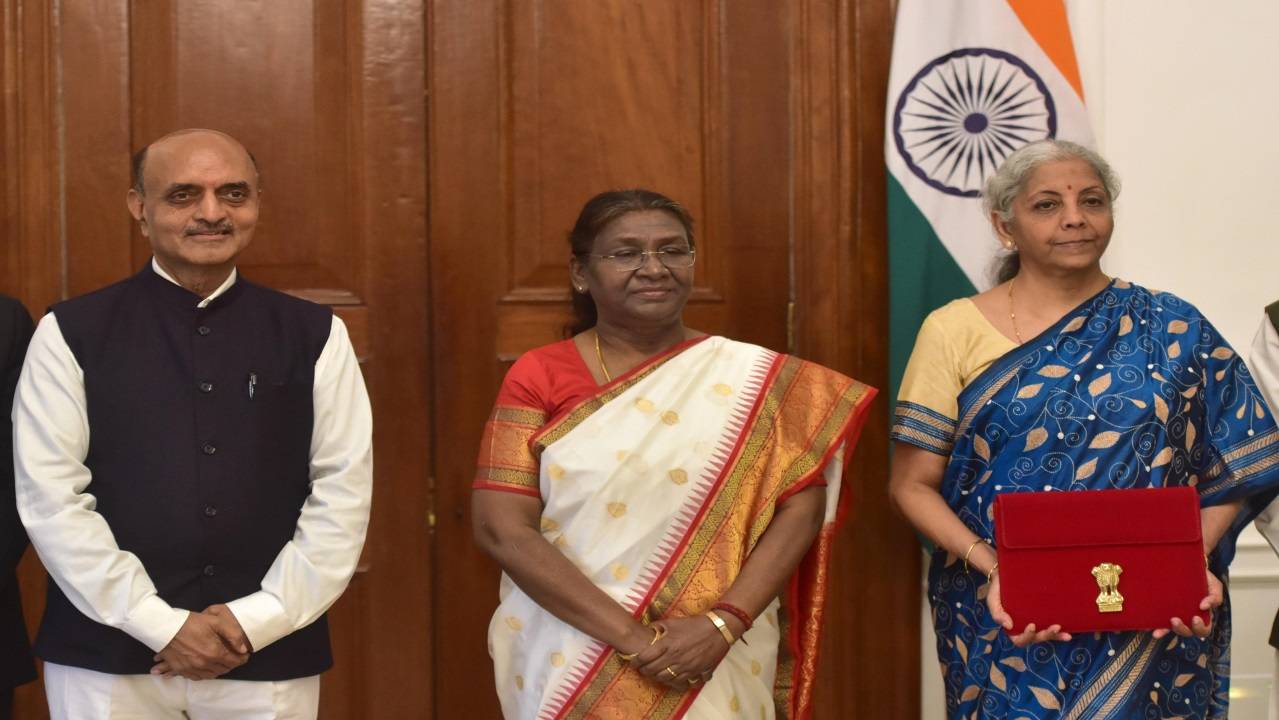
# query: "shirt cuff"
262,617
155,623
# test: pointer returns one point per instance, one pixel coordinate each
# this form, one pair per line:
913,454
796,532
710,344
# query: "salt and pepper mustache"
206,228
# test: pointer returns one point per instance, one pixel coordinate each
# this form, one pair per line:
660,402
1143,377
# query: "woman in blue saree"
1059,379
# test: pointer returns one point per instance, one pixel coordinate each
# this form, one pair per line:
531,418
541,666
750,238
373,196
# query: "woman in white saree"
665,499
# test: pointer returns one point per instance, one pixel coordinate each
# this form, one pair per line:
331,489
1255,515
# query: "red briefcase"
1099,560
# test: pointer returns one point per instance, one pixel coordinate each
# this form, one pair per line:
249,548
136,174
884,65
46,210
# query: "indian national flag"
970,83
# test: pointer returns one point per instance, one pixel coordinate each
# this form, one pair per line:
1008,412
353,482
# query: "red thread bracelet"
736,612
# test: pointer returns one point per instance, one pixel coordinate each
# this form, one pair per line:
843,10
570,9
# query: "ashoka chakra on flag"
966,111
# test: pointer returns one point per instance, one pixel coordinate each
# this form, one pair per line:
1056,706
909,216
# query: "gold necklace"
600,356
1011,315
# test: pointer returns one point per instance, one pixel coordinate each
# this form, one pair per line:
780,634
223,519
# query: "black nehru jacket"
199,443
16,666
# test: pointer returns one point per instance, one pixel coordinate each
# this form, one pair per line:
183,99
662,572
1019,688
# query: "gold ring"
659,631
672,672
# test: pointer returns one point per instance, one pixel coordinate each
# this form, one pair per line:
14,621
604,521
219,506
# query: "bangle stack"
736,612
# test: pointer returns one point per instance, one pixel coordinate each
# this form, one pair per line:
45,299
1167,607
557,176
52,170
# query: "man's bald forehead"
138,166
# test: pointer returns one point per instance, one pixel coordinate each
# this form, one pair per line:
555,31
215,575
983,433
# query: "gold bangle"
969,551
990,575
722,627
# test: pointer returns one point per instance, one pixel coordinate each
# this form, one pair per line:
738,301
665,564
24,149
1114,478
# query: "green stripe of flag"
922,277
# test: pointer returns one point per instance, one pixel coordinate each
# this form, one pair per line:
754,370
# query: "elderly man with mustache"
193,459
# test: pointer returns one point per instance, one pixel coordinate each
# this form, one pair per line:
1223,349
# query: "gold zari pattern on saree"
806,410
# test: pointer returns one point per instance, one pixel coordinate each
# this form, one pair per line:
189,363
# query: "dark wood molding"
870,662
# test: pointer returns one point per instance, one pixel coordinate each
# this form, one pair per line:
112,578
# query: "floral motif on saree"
1134,388
657,488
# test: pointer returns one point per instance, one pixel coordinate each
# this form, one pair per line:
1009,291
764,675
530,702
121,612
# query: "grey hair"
1009,180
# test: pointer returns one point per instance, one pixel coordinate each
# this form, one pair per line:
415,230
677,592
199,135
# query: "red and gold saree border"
505,462
642,698
796,425
809,586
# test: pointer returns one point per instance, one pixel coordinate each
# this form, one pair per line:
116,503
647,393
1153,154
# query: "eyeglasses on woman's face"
631,259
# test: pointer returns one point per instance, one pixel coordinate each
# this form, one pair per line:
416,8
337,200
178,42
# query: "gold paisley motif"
1029,391
998,679
981,447
1045,697
1035,438
1104,440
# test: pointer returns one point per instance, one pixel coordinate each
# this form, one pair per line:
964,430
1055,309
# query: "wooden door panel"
275,75
328,97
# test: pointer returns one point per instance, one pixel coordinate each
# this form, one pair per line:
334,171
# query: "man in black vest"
222,504
1264,363
16,666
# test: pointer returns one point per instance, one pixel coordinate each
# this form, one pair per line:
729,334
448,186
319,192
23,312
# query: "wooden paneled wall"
422,163
330,98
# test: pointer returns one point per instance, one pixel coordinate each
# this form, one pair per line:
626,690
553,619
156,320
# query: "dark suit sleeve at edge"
15,333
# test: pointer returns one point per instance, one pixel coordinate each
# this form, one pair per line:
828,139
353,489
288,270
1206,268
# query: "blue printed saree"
1133,388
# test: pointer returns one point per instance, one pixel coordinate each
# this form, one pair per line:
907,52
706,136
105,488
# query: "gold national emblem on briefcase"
1107,575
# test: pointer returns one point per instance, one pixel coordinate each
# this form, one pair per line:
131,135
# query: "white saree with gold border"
656,489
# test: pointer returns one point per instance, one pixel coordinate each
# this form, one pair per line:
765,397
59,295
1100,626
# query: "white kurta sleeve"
75,543
313,568
1264,364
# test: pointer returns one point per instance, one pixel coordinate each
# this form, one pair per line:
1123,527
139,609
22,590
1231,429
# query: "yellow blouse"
955,344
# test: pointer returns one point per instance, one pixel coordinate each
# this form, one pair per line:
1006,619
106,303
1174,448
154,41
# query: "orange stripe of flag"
1046,21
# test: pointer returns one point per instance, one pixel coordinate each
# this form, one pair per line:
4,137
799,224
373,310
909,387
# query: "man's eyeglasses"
632,259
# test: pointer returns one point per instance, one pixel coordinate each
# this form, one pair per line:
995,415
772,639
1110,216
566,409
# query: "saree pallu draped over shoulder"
657,488
1132,389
